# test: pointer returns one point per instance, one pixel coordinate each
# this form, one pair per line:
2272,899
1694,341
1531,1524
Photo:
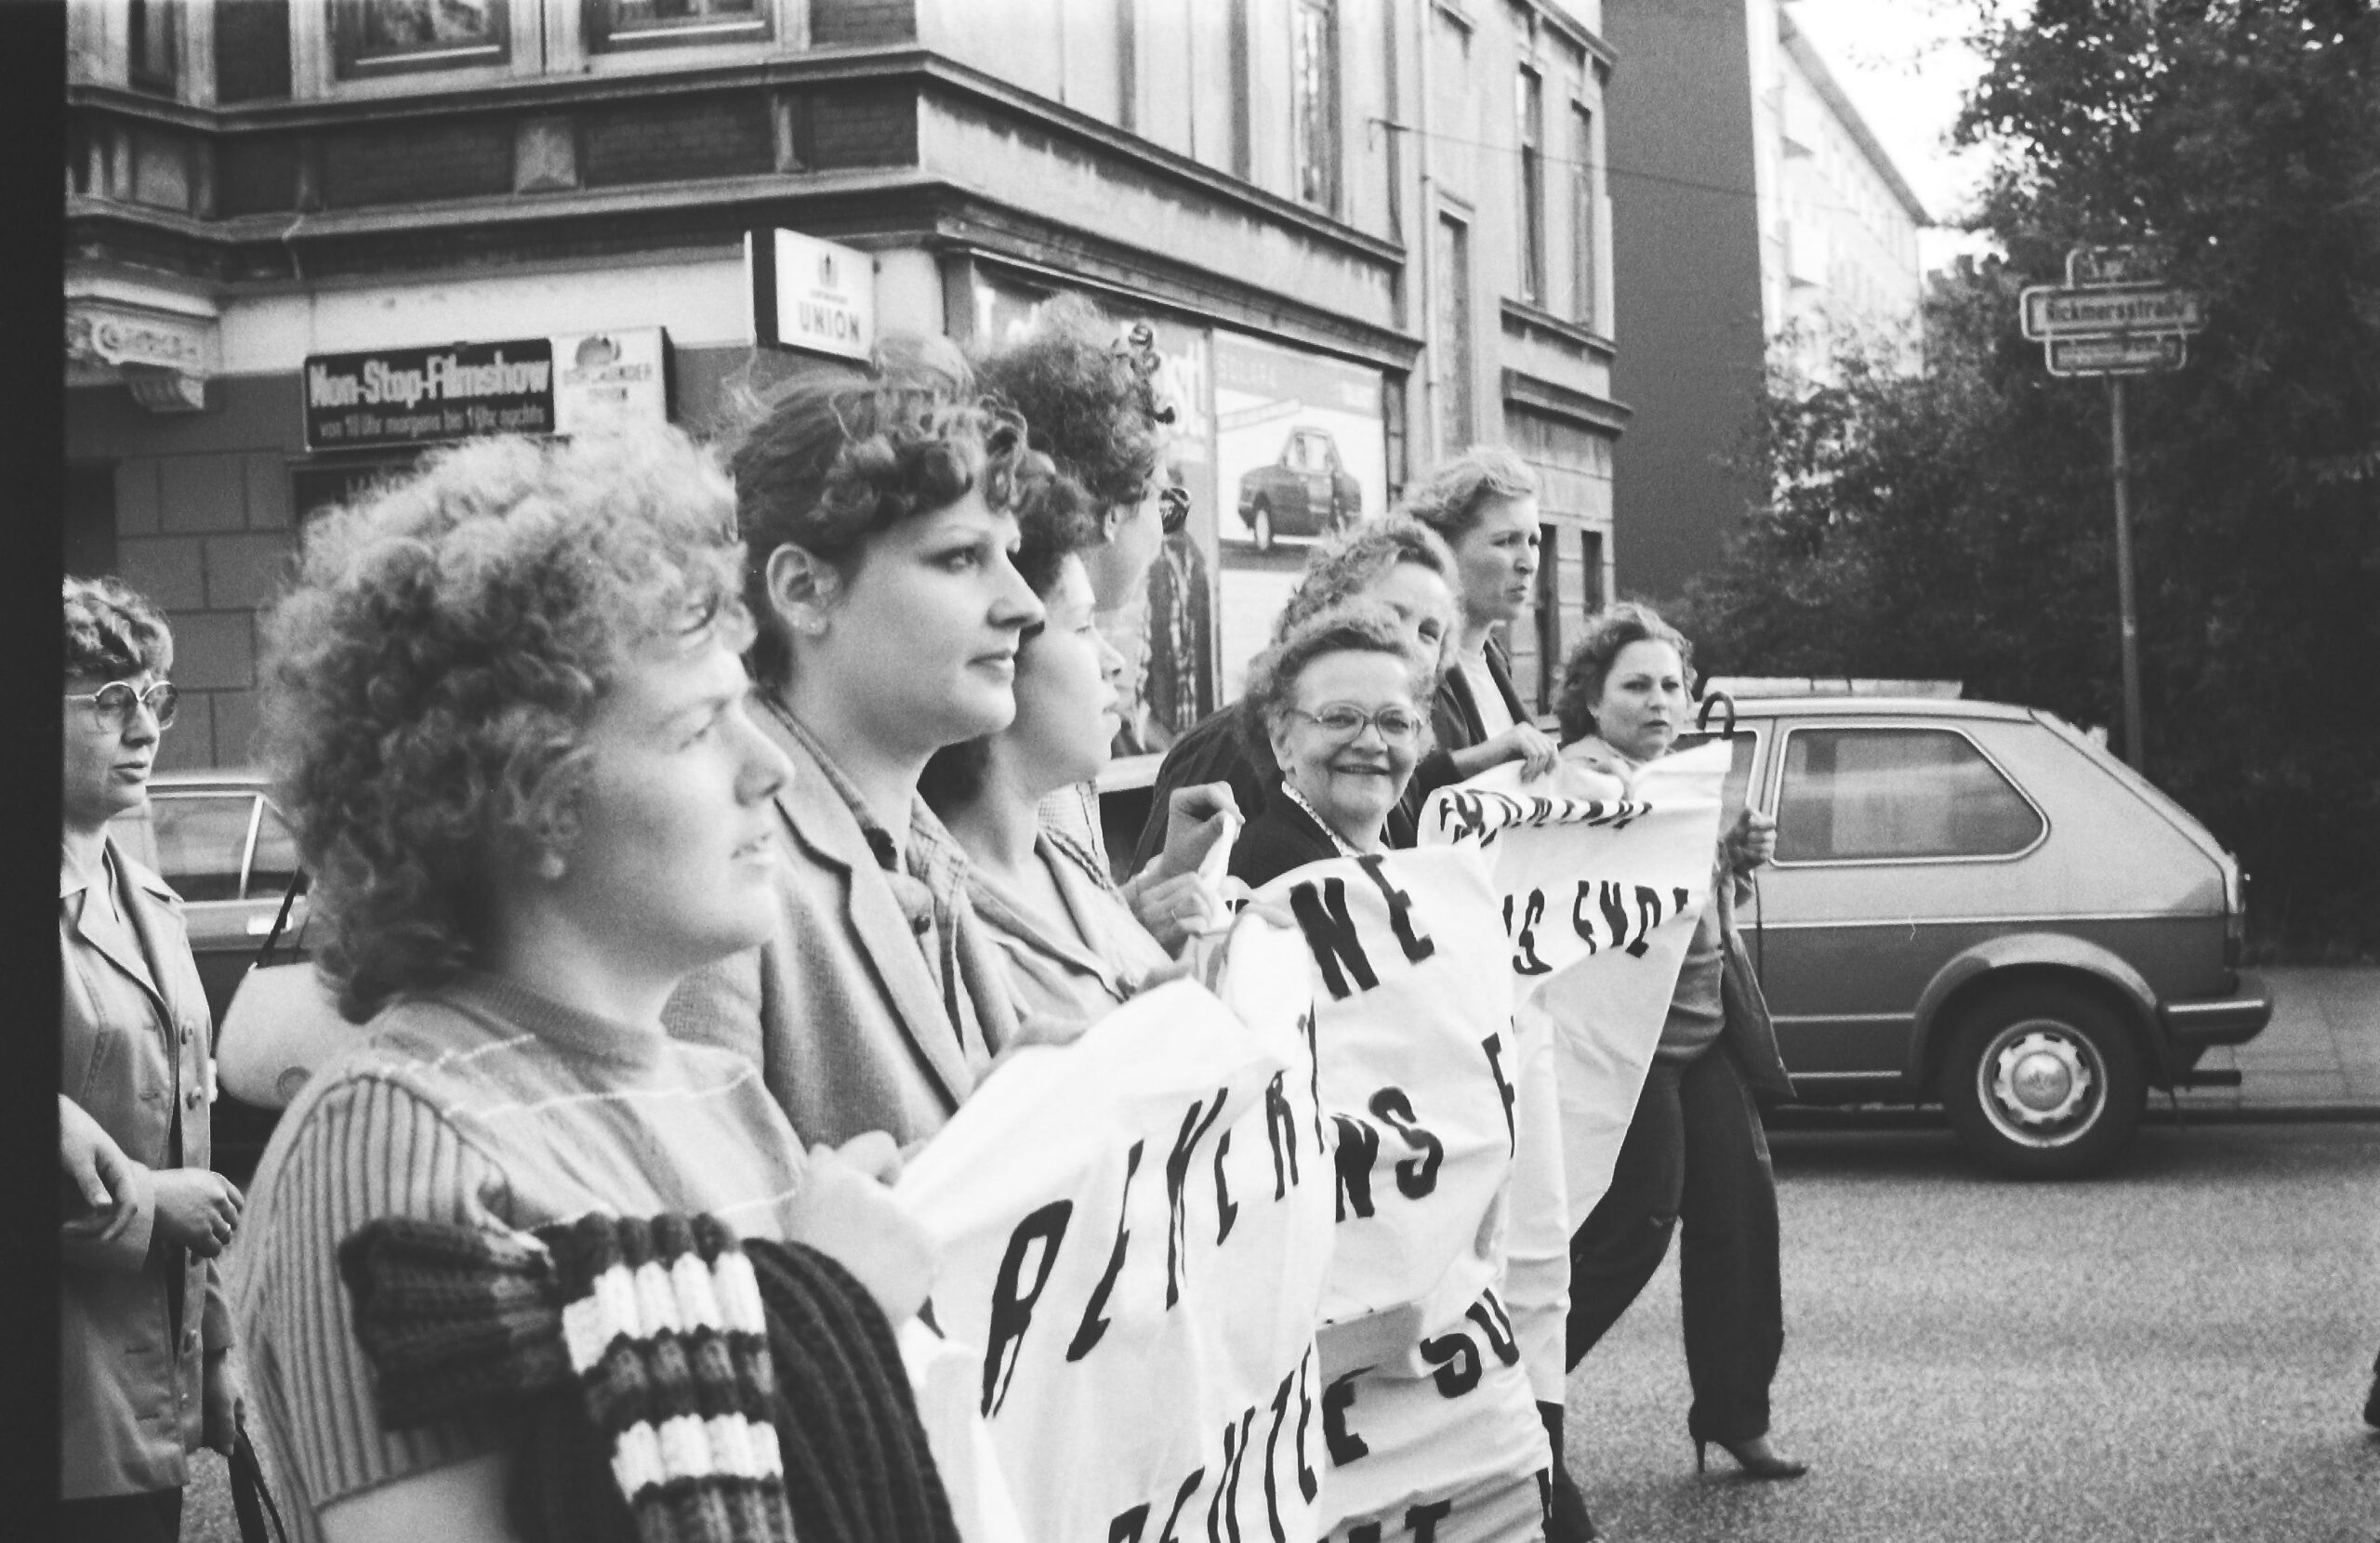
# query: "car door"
1900,843
1311,461
231,857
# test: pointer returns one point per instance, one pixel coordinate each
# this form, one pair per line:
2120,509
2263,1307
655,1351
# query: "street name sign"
2051,312
2138,354
2087,266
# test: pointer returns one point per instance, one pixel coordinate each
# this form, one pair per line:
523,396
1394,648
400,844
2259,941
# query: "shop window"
381,37
152,59
622,24
1313,84
1582,205
1528,103
1454,334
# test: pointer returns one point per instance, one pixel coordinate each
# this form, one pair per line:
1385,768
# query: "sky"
1905,64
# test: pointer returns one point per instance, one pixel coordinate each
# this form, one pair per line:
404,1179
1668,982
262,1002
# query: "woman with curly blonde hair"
507,715
881,534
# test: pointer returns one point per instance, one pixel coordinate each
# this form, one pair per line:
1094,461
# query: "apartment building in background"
1756,220
1364,232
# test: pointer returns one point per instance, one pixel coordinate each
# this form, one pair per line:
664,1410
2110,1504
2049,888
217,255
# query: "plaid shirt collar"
933,857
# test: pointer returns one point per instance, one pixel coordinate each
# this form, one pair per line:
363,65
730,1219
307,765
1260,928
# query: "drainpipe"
1424,244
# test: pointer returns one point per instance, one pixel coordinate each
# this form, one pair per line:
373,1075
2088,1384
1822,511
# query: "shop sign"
602,380
415,396
118,337
811,295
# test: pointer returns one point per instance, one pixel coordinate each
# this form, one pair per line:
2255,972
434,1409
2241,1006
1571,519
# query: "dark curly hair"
1355,559
427,680
1052,528
1588,666
1362,627
113,631
833,461
1450,499
1088,401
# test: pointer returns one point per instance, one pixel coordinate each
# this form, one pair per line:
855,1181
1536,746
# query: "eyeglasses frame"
116,722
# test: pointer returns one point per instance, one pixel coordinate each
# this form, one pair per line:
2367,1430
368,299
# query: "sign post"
2115,317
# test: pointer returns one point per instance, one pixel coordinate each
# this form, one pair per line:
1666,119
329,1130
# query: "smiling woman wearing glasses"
141,1315
1343,704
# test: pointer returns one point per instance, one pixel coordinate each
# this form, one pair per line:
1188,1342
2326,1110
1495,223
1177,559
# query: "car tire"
2043,1082
1259,520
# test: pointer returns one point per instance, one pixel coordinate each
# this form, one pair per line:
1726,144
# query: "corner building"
1366,232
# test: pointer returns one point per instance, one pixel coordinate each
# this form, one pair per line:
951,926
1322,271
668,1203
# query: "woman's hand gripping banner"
1134,1230
1600,884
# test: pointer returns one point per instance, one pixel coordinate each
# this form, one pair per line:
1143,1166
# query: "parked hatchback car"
1308,492
1979,904
216,837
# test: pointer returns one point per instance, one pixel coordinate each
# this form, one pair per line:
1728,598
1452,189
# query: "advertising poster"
1300,450
1167,633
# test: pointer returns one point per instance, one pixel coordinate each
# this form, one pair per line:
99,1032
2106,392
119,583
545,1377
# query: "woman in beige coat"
143,1374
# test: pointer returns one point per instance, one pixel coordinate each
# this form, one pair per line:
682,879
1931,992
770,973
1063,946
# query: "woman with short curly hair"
506,712
879,519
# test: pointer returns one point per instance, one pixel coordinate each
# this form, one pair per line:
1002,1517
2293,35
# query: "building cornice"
1521,317
1600,414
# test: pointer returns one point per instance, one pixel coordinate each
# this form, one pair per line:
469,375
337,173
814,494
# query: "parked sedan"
1978,904
1307,492
216,837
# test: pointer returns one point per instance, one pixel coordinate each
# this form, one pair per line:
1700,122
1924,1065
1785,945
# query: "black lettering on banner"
1494,1046
1012,1310
1457,1360
1313,1082
1331,932
1226,1500
1416,1176
1358,1145
1272,1444
1177,1172
1465,812
1095,1315
1343,1444
1180,1497
1226,1210
1648,916
1680,895
1308,1485
1400,913
1489,1315
1281,1130
1525,959
1581,922
1421,1522
1127,1526
1613,903
1364,1532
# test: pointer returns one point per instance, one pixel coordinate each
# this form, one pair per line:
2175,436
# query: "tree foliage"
1959,523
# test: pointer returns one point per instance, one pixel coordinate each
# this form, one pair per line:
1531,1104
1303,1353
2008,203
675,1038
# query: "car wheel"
2043,1082
1259,519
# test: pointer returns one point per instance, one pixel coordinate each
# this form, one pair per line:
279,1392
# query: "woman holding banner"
877,520
1695,1151
1393,561
1072,940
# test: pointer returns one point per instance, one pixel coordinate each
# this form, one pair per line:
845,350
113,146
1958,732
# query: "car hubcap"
2042,1084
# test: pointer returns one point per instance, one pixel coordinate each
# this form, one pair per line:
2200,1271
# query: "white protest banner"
1134,1231
1600,884
1396,964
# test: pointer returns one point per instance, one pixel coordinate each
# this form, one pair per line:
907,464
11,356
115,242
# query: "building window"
1528,102
1313,84
1582,205
670,23
1454,334
379,37
151,58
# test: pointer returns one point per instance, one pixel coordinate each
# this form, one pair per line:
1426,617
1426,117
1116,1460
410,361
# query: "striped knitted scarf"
662,1384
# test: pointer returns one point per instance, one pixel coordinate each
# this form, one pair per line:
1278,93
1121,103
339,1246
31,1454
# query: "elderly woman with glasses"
1343,705
144,1373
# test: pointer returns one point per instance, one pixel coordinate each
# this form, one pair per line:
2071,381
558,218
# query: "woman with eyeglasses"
1344,705
145,1332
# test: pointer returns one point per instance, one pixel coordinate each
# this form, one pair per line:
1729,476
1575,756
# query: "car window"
202,839
1862,794
1305,454
276,859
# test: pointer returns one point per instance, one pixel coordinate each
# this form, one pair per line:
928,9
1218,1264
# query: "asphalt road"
2177,1351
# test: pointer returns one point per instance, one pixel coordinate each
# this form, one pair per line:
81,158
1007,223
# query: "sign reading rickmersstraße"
2049,312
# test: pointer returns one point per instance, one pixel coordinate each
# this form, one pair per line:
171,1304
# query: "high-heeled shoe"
1757,1458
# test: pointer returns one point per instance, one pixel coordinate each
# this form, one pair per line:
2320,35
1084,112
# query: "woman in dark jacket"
1695,1151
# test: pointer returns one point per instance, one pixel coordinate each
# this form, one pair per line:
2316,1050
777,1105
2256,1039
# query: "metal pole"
2123,581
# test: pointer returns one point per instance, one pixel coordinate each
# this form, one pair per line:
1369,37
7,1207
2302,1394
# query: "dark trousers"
1695,1153
155,1516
